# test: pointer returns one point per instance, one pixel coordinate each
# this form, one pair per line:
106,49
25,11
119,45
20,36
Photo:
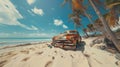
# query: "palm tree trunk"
86,34
106,27
103,31
88,17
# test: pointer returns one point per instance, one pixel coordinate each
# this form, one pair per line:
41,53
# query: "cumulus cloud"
30,1
9,15
58,22
64,26
34,28
1,19
38,11
29,28
31,13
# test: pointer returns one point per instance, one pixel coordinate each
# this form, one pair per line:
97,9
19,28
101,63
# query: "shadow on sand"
81,46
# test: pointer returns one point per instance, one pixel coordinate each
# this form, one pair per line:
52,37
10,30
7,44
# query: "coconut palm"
76,19
91,28
112,21
105,25
85,31
109,18
100,27
79,9
114,7
82,11
77,4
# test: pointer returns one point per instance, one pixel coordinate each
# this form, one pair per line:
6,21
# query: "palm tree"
85,31
76,19
105,24
79,9
78,4
109,18
100,27
112,21
114,7
90,26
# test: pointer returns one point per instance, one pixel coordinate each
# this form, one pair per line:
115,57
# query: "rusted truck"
67,40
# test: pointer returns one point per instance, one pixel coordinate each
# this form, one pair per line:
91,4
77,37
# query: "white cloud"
38,11
38,35
64,26
29,11
9,15
29,28
30,1
34,28
1,19
58,22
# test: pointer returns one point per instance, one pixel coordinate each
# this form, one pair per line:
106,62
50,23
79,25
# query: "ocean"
18,41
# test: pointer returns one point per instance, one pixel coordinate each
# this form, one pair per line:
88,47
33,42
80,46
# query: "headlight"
64,37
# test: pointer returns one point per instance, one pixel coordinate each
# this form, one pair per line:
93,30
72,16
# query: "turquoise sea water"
17,41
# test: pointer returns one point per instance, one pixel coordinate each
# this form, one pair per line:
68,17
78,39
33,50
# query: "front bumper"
64,44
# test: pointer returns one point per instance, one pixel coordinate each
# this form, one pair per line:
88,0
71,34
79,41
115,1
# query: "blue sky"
35,18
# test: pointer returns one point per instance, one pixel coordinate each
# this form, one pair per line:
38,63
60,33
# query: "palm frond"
98,2
113,4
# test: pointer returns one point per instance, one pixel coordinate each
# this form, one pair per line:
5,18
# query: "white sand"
41,55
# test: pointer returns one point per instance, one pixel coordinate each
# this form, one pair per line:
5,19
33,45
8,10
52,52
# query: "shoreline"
18,41
24,44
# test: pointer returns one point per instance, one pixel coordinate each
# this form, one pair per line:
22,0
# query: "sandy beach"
40,55
59,33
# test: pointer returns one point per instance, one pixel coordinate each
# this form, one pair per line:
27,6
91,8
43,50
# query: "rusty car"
67,40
